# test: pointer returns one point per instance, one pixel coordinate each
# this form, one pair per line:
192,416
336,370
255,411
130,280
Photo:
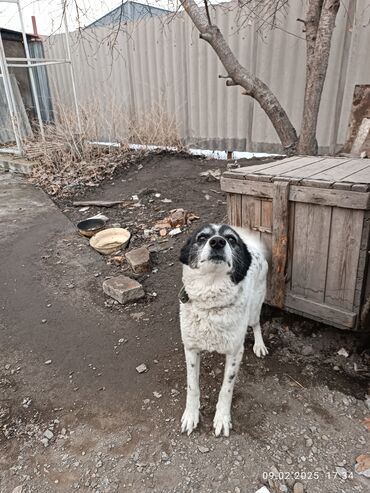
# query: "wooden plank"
310,248
266,237
257,177
363,261
360,187
322,196
319,165
251,215
235,209
328,314
362,176
279,241
298,193
229,201
253,188
309,182
343,185
365,308
343,253
288,277
343,171
258,167
289,166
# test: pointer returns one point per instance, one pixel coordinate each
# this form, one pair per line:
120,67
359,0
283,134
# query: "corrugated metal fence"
162,61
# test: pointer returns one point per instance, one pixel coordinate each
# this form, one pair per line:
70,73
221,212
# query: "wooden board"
310,170
319,168
310,250
299,193
266,236
279,241
331,315
234,209
363,262
254,188
339,198
362,176
259,167
343,253
251,215
342,171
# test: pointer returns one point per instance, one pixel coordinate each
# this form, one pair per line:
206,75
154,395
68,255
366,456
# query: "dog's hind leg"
222,419
190,418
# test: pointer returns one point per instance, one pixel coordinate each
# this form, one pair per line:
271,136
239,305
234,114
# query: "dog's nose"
217,242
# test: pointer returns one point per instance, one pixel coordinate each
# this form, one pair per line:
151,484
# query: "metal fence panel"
161,61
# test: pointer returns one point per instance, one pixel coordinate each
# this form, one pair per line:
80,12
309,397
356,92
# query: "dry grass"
67,159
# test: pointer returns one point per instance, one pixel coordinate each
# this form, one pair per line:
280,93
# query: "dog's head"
217,247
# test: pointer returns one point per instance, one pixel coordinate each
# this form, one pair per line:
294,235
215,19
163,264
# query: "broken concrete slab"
123,289
15,164
139,260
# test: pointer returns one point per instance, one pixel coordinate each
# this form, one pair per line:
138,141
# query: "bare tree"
318,28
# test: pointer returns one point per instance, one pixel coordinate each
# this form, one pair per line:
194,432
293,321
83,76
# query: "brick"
139,260
123,289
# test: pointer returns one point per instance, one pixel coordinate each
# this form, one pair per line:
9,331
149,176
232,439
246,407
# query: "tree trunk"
239,75
320,23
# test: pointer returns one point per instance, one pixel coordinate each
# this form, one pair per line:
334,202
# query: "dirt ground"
76,416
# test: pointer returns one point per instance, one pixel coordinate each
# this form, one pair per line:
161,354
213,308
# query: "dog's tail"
251,238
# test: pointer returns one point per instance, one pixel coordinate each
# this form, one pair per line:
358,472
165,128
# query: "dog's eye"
201,238
231,240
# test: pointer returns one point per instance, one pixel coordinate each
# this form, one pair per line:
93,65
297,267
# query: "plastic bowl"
110,240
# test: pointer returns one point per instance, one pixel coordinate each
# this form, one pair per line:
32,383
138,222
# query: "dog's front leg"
190,418
222,419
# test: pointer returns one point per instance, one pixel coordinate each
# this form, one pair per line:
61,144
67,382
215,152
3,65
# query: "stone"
45,442
123,289
363,465
202,449
298,488
139,260
342,472
343,352
18,489
48,434
307,350
142,368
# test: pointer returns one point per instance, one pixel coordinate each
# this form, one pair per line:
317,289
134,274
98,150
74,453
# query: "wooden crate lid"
316,171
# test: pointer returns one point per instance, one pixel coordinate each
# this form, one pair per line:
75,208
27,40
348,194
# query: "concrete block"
15,164
139,259
123,289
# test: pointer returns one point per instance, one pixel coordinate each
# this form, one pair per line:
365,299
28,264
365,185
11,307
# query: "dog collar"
183,295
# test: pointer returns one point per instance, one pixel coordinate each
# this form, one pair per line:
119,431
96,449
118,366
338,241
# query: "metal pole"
10,98
30,70
69,57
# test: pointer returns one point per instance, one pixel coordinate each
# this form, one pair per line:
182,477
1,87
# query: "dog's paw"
189,420
222,423
260,350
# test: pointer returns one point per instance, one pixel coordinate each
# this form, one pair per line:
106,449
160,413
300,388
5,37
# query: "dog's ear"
185,252
241,264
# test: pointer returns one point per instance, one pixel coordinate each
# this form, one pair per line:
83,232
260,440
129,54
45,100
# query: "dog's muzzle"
217,245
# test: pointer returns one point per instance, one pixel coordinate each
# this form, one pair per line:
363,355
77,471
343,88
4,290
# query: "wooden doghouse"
314,214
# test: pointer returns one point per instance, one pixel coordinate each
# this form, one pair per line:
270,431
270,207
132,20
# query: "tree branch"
207,12
252,85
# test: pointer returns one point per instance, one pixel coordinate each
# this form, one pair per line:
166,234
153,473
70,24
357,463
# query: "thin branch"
207,12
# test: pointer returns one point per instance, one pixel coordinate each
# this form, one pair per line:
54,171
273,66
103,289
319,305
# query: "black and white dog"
224,286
